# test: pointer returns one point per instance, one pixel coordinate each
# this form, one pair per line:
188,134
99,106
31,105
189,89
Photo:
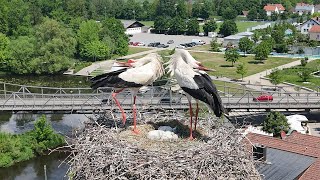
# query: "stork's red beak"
201,67
126,64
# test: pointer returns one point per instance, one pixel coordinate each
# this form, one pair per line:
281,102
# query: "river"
66,124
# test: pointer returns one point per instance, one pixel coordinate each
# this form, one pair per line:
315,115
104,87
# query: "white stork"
144,72
193,79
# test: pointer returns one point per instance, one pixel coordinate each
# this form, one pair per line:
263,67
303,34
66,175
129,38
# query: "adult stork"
144,71
193,79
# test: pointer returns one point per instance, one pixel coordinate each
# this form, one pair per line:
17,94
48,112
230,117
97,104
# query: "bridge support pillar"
268,110
307,110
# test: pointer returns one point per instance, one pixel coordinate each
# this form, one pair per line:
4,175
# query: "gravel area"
163,39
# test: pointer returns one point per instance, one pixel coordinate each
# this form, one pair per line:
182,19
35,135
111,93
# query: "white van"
198,41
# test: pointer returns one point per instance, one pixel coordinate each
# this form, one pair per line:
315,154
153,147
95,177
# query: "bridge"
14,97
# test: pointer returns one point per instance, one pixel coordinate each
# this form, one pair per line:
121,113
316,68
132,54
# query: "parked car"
180,46
263,98
141,44
162,46
170,42
154,44
135,44
131,43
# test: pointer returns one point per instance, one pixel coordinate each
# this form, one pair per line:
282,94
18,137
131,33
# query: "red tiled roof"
304,139
284,145
295,143
272,7
315,29
312,173
280,7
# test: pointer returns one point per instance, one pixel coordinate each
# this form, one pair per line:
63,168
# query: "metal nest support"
111,152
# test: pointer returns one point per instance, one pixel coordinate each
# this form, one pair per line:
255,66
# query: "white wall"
304,28
133,30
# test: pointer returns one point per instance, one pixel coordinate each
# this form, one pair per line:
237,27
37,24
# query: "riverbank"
15,148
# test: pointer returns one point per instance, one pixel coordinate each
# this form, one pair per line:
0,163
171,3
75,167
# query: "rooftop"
272,7
315,29
296,145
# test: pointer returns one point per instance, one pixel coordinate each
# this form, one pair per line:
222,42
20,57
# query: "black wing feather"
111,79
207,93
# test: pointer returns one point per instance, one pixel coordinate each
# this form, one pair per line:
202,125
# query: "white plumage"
193,79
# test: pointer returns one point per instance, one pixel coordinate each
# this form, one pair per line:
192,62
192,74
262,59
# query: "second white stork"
144,72
193,79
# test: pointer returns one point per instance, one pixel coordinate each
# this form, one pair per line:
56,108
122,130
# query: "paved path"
107,64
255,79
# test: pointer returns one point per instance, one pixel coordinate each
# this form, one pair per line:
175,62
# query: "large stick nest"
106,152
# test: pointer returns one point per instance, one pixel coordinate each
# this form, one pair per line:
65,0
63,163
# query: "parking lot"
163,39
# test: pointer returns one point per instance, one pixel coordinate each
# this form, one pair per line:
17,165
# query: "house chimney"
283,135
259,152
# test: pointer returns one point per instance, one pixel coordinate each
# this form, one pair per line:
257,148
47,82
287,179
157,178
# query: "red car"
263,98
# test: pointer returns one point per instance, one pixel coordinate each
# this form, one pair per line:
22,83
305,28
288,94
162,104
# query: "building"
294,156
307,25
273,8
288,32
302,8
235,39
314,33
132,27
317,8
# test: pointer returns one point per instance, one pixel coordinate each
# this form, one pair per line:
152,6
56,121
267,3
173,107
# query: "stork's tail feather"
106,79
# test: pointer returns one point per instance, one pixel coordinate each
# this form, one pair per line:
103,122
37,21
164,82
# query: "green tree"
177,25
114,29
242,70
245,45
22,51
304,61
256,36
192,27
181,9
215,45
275,122
232,55
19,18
274,16
166,8
4,27
275,77
210,26
252,14
4,52
262,51
229,14
161,24
305,74
228,27
96,50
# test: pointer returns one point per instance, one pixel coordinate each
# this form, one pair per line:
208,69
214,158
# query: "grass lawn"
205,47
229,88
133,50
291,75
224,68
242,25
148,23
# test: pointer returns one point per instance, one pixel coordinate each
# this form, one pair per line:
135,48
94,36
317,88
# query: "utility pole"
134,14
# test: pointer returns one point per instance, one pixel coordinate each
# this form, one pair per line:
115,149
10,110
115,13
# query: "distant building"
273,8
245,13
302,8
307,25
314,33
294,156
288,32
132,27
235,39
317,8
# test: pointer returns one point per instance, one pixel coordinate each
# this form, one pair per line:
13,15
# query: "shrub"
275,122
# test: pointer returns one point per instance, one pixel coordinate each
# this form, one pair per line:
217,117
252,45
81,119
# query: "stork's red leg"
195,123
190,109
119,106
134,109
